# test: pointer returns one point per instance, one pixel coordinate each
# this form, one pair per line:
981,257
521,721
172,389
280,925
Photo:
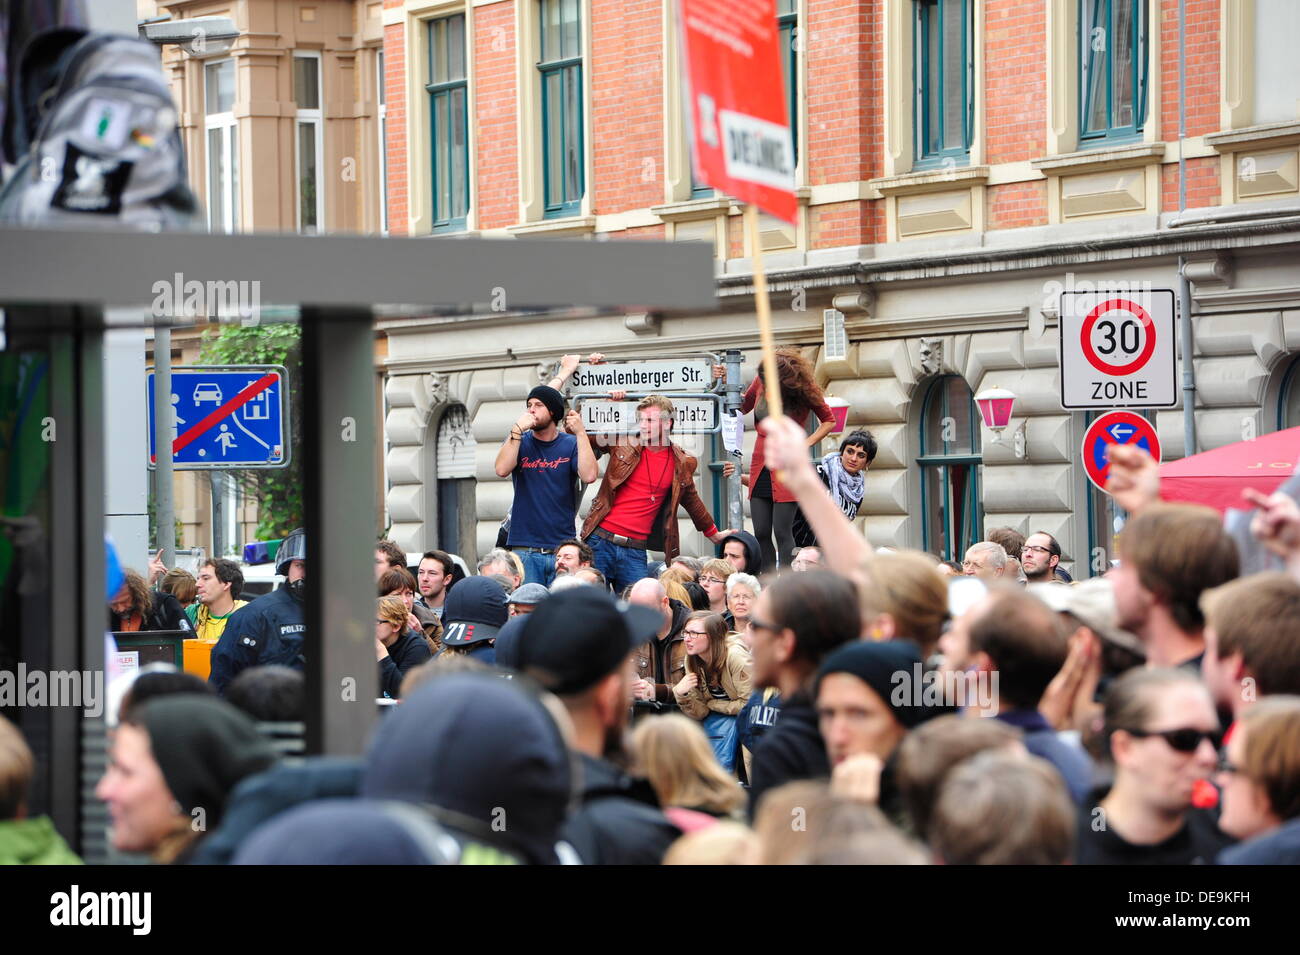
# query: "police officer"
271,628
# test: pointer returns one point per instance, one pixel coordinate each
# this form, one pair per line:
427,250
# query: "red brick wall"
395,94
1202,184
626,74
1202,46
640,232
494,115
840,223
1015,80
843,83
1202,85
844,142
1016,204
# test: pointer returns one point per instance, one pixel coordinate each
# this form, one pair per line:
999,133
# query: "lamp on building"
197,36
840,409
995,406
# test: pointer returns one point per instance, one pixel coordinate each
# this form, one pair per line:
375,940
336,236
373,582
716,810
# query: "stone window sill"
569,225
931,180
1254,137
1101,160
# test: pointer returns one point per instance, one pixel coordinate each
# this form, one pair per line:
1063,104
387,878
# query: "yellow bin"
198,656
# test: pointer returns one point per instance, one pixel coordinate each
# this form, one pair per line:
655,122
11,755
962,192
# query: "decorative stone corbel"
857,302
930,352
1211,272
438,388
642,323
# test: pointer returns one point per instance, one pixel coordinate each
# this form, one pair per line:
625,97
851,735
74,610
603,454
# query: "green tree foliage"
278,491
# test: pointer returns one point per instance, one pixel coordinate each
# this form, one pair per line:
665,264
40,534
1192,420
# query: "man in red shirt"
635,510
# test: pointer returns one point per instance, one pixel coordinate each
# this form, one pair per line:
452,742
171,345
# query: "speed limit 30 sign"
1118,349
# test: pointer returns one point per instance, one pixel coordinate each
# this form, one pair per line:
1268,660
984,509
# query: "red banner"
740,131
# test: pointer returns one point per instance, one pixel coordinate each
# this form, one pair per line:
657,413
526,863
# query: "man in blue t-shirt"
545,465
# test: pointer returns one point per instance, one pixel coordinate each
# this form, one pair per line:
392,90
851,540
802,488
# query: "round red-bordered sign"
1148,347
1116,427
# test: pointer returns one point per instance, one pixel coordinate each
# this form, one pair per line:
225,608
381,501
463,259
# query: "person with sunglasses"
1163,735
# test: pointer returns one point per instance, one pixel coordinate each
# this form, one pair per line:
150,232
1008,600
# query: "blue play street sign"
226,416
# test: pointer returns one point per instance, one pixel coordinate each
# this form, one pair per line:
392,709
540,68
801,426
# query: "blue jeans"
538,568
622,566
721,731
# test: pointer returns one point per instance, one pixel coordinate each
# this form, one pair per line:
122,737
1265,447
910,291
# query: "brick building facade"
959,162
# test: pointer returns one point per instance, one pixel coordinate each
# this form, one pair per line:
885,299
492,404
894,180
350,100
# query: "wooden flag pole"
764,310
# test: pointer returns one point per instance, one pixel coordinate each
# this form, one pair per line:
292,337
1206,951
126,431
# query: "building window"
307,94
222,131
455,472
1112,70
951,518
1276,80
1288,405
448,122
560,66
787,24
944,87
382,96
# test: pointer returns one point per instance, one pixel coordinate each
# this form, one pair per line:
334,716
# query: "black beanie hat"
553,400
204,747
876,664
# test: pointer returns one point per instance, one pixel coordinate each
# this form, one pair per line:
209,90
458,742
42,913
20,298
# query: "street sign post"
226,416
694,416
1117,350
1116,427
644,376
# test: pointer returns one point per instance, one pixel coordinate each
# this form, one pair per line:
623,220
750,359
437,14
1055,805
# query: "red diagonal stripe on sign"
248,394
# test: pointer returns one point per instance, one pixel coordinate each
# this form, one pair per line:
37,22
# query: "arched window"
1288,399
951,518
457,525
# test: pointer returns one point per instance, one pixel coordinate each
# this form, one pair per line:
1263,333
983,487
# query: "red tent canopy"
1218,477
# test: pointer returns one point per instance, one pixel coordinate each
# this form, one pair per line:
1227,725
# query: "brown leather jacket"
623,459
663,662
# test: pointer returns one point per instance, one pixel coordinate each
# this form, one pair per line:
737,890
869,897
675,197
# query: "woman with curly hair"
771,504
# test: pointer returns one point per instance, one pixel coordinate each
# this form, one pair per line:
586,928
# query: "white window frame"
381,112
228,214
314,118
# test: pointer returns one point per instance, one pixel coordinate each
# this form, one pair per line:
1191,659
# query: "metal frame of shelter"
55,286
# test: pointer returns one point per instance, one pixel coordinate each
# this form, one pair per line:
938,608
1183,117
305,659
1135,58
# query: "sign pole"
162,442
735,497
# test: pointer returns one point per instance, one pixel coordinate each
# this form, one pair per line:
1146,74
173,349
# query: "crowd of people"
780,700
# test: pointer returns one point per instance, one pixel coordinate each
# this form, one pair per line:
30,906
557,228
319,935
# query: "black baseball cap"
475,611
579,636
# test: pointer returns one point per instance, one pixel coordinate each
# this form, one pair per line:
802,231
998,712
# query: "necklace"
662,474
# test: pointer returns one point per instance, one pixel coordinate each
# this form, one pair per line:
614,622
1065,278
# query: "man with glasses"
808,558
1039,558
984,560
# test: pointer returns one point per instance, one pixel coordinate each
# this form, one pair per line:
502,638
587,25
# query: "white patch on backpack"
91,183
105,124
